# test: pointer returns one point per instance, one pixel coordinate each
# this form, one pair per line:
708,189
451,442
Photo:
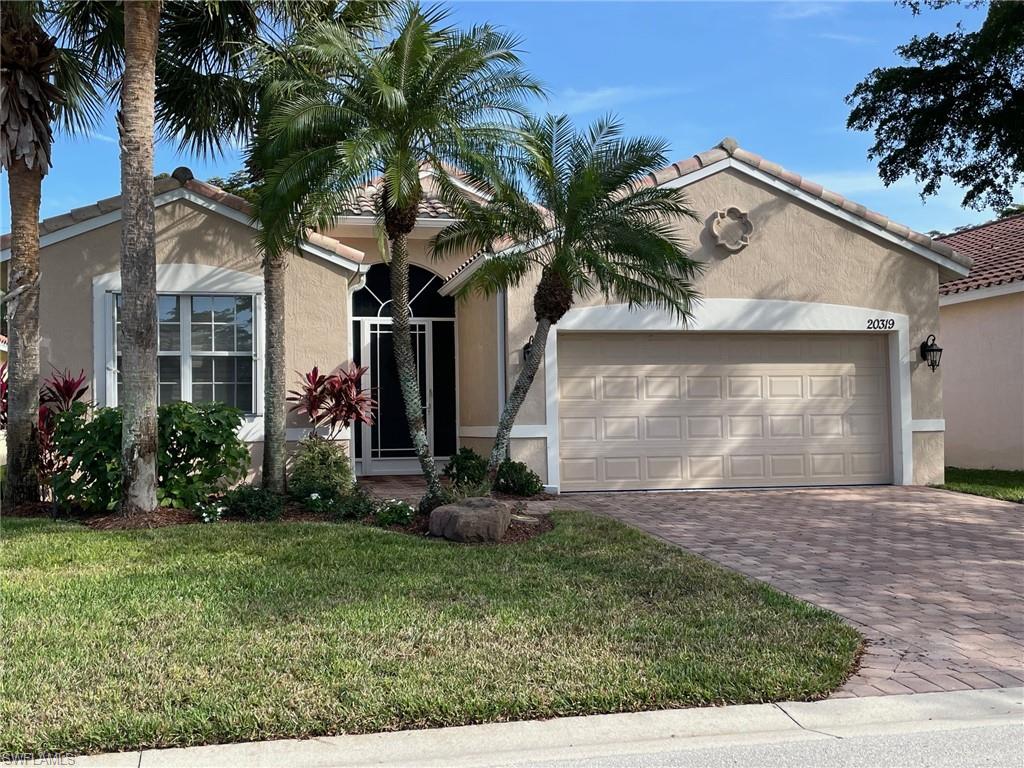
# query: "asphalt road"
995,746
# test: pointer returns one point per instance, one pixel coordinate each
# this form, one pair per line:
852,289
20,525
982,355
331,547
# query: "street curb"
602,735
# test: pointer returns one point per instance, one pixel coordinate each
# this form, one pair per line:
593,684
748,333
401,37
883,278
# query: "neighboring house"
801,366
982,322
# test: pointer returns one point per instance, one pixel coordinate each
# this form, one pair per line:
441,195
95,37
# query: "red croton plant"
59,393
333,400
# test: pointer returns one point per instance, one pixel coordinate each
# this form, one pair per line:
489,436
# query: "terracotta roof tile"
182,177
363,202
998,252
728,147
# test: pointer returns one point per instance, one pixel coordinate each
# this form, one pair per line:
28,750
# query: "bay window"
206,348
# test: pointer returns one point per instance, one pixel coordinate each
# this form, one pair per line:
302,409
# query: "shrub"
209,511
517,479
357,504
395,512
251,502
199,451
334,400
466,469
320,466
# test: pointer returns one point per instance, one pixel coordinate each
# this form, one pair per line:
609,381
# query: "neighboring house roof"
184,183
729,154
998,252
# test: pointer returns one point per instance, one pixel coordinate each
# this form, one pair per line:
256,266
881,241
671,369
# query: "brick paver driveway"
932,579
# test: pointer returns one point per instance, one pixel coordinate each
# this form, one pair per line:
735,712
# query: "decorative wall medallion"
731,229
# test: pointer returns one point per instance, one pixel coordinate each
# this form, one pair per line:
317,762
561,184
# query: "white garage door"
675,410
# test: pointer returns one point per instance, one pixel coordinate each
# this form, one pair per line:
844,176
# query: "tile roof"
182,178
998,252
728,148
364,201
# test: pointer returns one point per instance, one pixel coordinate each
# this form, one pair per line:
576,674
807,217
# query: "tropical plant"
425,97
601,229
200,453
334,400
3,397
59,393
394,512
42,83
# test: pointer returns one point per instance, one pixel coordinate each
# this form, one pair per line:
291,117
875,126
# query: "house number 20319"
881,324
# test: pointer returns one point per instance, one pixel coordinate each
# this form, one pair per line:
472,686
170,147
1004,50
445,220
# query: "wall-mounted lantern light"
526,349
931,352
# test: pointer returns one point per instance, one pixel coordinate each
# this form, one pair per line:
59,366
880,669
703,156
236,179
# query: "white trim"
370,220
977,294
520,431
750,316
203,202
176,279
928,425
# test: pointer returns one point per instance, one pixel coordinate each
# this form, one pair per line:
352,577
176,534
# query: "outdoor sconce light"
931,352
526,349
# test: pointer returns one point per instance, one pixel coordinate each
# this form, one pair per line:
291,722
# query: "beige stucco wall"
797,253
983,367
316,311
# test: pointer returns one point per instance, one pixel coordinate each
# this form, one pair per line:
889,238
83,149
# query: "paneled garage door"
676,410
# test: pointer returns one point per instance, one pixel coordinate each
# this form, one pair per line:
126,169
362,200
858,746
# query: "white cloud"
573,101
96,136
794,9
844,38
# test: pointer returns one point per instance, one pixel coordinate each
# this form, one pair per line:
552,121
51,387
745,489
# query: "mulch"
162,517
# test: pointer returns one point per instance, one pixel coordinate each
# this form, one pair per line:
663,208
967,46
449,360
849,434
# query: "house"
801,366
982,322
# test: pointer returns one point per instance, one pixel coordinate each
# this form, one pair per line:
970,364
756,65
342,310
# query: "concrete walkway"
931,578
642,735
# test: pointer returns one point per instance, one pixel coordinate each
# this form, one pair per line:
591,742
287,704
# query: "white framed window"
207,348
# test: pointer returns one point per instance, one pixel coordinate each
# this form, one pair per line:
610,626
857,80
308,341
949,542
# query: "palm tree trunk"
138,259
405,362
23,330
274,441
517,397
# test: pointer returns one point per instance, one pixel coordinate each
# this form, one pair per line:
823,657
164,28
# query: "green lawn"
997,483
228,632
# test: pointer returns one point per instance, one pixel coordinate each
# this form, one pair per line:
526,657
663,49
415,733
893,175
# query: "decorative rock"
474,519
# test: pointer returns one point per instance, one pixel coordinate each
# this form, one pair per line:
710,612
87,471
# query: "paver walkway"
934,580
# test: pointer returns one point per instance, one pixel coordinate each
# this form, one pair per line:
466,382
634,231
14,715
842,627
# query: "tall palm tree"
602,229
214,63
41,83
135,125
427,97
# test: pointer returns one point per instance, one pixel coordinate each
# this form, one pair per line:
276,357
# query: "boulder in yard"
472,520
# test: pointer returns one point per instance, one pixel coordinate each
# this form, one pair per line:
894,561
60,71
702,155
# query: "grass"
229,632
1004,484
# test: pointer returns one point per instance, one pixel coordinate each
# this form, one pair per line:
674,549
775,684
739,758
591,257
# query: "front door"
385,448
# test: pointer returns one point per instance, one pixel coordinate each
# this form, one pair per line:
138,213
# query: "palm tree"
212,68
426,98
41,83
601,228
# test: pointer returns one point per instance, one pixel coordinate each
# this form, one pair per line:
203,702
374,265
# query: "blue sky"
772,75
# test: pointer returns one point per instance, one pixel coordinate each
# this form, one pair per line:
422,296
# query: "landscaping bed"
1007,485
195,634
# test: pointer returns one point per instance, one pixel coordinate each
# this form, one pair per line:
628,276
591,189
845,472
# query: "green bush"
466,469
199,452
320,466
517,479
395,512
357,504
251,502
